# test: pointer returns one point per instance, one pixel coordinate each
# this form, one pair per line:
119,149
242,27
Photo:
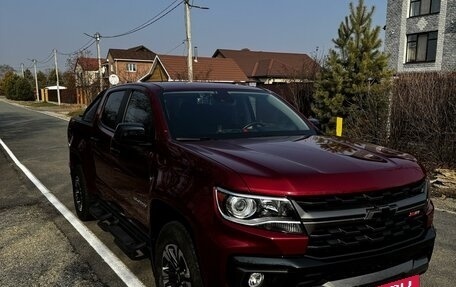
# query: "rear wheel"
82,199
175,261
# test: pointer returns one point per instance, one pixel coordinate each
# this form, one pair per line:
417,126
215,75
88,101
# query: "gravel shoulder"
445,203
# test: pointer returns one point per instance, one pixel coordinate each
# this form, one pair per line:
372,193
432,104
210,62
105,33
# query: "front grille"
342,225
336,239
362,199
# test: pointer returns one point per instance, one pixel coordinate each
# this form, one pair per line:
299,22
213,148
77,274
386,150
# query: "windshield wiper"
194,139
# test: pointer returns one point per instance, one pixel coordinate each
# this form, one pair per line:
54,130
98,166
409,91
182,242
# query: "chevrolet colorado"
227,185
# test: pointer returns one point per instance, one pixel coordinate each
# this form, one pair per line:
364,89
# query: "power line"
47,59
82,49
146,24
20,67
44,67
175,48
196,6
151,21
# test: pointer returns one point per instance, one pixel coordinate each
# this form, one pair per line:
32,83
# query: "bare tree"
423,117
298,86
86,82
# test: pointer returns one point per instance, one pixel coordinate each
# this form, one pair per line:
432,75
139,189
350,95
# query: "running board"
125,239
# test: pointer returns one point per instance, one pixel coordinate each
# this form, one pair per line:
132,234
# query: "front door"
135,168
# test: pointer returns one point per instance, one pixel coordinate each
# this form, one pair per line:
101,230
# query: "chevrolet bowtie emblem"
381,211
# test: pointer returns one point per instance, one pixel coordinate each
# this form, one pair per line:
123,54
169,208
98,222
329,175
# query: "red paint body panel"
300,167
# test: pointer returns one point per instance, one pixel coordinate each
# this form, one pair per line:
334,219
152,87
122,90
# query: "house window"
424,7
421,47
131,67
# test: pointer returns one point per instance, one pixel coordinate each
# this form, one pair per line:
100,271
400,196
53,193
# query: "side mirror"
315,122
130,133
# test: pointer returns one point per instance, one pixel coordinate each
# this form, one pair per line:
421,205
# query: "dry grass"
76,112
38,104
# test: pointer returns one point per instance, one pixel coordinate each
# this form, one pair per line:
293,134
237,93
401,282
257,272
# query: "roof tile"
135,53
204,69
88,64
268,64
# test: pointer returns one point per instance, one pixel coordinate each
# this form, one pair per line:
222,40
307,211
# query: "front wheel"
175,261
82,199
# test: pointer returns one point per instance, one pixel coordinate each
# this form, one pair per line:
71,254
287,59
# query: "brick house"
271,67
174,68
421,35
86,79
289,74
129,64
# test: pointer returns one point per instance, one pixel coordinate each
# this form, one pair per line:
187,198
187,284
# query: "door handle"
114,150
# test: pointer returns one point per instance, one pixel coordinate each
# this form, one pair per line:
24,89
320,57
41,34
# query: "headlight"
270,213
429,205
426,188
240,207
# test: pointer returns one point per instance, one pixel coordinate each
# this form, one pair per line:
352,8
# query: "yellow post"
339,122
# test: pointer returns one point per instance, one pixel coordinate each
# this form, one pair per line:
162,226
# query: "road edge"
103,251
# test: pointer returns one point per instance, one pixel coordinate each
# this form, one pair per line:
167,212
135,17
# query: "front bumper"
365,270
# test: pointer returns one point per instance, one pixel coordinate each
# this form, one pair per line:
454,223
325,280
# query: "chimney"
195,53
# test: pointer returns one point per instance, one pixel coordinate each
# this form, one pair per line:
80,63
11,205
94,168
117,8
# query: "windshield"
196,115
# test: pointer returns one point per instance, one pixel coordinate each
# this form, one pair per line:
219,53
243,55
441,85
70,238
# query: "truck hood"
316,165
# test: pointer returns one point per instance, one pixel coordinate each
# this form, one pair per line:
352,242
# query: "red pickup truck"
227,185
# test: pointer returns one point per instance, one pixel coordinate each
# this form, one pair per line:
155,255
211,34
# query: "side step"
98,212
131,245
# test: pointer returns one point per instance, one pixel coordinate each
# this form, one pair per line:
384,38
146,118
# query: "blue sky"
31,29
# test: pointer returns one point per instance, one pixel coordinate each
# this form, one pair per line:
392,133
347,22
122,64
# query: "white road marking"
110,258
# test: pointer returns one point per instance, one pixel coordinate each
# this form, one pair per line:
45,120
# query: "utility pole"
97,38
57,75
189,41
36,82
22,68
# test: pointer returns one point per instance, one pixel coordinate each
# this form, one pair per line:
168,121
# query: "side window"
111,109
89,113
139,110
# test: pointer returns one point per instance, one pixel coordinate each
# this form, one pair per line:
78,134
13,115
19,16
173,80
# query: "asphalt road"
39,142
36,241
33,250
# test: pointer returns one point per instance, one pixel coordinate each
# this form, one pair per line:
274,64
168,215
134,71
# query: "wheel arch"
162,213
75,160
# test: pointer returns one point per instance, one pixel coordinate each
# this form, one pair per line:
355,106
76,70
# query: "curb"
48,113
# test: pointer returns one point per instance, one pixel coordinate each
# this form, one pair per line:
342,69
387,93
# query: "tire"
82,199
175,262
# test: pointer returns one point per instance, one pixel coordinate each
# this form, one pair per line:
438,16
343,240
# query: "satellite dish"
113,79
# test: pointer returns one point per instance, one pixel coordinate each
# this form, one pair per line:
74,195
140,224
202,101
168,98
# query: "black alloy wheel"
176,264
81,197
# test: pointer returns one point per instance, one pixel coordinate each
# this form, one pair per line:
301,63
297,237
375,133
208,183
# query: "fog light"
256,279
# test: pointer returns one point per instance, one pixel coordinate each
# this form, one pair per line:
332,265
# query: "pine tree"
23,90
355,79
8,84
